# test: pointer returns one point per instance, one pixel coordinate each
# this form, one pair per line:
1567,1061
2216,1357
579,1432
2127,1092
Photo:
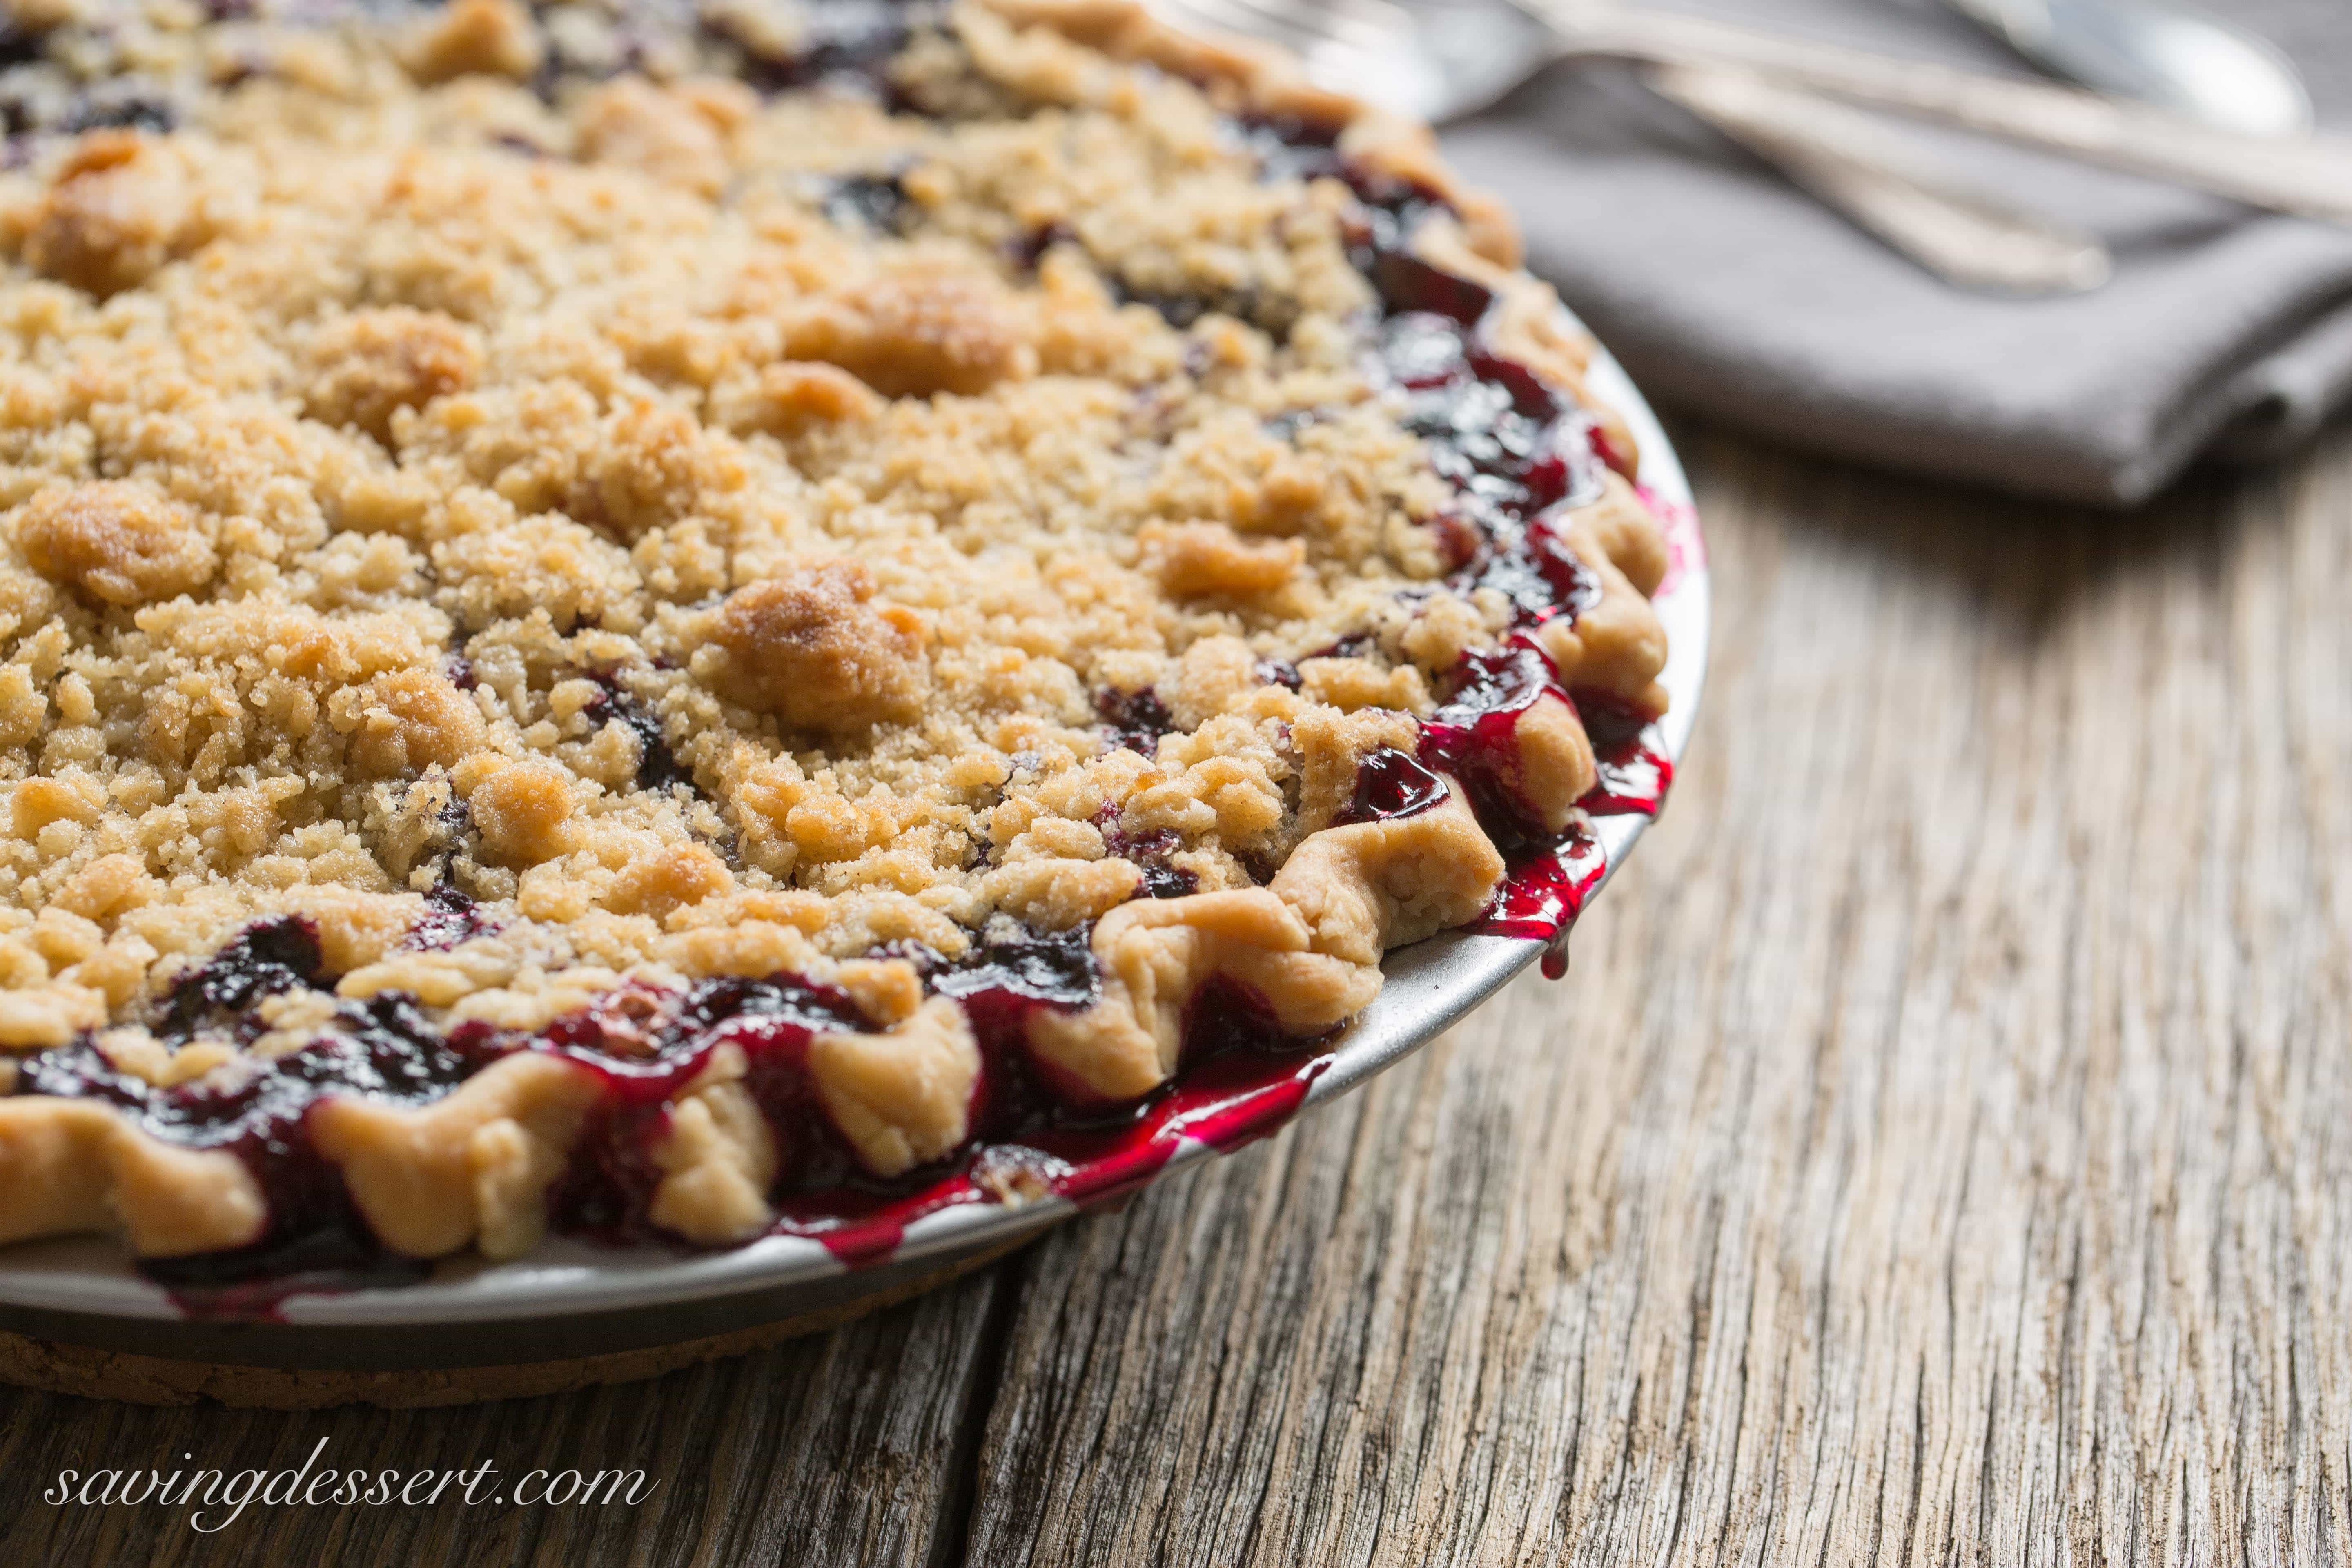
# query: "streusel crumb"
524,525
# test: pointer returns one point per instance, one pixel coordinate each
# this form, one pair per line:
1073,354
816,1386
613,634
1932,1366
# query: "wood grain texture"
840,1449
58,1366
1941,1153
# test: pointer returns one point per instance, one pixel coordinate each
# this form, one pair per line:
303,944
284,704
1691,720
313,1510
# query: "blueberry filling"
658,765
877,203
1390,783
1290,147
1472,737
646,1047
1534,568
1355,644
1148,849
1510,449
1514,457
20,44
1027,251
450,920
1226,1017
380,1048
1182,311
848,42
1011,974
121,111
1407,284
267,957
1137,719
80,1071
1634,772
1277,672
1494,432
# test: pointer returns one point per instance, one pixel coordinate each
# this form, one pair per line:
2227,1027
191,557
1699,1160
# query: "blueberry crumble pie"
617,616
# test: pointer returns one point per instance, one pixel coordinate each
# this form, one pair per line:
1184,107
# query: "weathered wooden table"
1940,1152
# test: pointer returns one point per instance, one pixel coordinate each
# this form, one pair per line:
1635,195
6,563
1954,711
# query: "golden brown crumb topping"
806,646
393,503
705,534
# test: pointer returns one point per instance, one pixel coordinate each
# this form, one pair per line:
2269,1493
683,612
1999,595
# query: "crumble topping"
541,526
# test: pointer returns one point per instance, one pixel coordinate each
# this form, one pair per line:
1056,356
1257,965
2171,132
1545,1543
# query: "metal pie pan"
570,1298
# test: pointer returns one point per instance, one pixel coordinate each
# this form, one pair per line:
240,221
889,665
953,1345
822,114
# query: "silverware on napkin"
1764,91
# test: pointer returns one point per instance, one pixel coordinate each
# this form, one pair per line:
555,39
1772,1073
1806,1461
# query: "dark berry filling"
877,203
1355,644
658,765
1226,1017
120,110
1390,782
450,919
647,1046
1514,457
847,43
382,1047
1010,973
1634,768
1137,719
1513,453
1544,894
1027,251
1148,849
1501,453
1474,736
1407,284
1009,976
267,957
1279,672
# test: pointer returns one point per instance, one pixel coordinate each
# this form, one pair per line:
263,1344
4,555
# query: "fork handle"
2310,175
1961,234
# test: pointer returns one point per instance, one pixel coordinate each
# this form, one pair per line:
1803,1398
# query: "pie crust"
605,619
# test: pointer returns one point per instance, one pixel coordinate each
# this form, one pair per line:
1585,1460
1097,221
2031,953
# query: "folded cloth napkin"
1727,290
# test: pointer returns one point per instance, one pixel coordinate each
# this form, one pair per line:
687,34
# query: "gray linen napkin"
1725,289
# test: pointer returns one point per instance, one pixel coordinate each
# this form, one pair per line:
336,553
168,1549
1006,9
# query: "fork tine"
1373,48
1229,16
1371,25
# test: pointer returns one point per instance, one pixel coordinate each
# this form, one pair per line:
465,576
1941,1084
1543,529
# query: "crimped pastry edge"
472,1167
